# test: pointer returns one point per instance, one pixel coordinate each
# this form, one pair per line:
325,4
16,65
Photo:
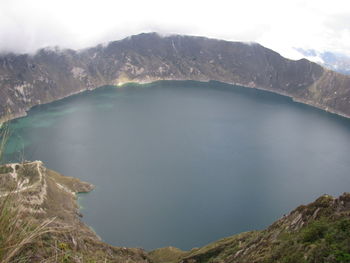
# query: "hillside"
42,194
317,232
51,74
333,60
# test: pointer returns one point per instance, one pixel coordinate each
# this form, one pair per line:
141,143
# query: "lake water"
187,163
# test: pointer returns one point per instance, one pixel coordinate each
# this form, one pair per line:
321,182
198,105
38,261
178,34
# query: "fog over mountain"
54,49
52,74
26,26
335,61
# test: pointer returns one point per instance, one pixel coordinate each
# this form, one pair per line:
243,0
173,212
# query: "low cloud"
26,26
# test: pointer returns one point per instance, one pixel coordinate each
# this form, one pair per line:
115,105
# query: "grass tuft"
17,230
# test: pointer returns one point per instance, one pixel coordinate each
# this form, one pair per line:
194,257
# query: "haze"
26,26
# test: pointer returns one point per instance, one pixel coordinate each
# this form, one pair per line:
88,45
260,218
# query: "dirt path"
20,185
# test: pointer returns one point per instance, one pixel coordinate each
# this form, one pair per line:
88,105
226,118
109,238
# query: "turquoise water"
186,163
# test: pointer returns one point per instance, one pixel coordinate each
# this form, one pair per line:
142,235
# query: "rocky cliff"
51,74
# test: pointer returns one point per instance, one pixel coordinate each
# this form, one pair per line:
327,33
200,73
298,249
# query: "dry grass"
17,230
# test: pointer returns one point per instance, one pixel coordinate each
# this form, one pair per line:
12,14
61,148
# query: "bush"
316,230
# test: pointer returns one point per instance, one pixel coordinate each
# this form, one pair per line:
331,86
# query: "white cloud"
281,25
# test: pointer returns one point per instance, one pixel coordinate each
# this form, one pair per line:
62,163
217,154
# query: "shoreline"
298,100
24,112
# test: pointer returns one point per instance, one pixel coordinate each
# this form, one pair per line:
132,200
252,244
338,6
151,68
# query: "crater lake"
182,163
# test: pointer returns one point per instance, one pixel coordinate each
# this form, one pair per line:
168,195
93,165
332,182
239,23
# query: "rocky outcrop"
42,194
317,232
51,74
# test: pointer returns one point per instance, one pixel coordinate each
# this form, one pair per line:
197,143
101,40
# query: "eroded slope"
45,194
51,74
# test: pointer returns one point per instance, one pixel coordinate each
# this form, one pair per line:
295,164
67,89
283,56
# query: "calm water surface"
184,163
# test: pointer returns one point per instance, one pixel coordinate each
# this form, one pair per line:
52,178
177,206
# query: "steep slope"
333,60
318,232
44,194
51,74
314,233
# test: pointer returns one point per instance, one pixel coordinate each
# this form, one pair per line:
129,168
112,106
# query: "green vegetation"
167,255
322,241
4,169
315,233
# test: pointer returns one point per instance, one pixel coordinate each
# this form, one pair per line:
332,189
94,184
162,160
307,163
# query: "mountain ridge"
52,74
335,61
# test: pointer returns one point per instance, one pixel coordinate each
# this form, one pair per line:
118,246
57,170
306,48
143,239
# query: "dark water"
183,163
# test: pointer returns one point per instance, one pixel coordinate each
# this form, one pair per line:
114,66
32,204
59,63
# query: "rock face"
51,74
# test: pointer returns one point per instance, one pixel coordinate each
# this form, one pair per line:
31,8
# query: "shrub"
316,230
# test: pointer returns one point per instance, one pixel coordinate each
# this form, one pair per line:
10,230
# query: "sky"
282,25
